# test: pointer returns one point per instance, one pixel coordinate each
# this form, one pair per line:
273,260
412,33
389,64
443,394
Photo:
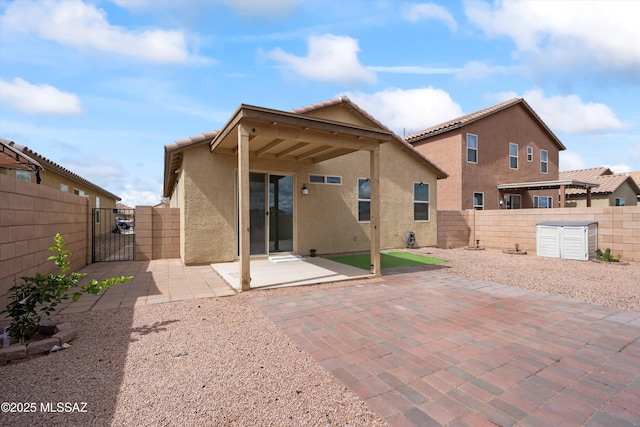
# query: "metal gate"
114,235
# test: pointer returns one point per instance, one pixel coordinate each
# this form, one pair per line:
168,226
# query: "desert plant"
39,295
606,256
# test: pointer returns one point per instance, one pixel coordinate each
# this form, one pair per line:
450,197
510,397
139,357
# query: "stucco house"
614,189
501,157
327,178
27,165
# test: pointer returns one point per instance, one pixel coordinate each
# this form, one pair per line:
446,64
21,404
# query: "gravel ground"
220,362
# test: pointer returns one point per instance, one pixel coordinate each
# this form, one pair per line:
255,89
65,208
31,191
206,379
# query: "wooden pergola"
254,132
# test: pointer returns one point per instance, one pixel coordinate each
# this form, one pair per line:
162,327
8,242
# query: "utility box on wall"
568,240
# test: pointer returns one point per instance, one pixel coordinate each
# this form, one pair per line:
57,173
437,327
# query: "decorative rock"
63,326
47,328
41,346
65,335
13,352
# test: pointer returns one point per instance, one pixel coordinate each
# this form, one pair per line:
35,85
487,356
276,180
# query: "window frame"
544,162
23,175
478,207
324,179
529,154
618,200
536,202
422,202
474,149
363,200
511,156
64,187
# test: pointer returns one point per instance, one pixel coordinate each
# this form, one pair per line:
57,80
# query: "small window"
542,202
512,201
472,148
316,179
78,192
23,175
513,155
64,187
325,179
97,202
544,161
478,201
334,180
529,154
619,201
420,201
364,200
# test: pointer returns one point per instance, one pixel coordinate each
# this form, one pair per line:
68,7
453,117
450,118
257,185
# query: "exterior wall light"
305,190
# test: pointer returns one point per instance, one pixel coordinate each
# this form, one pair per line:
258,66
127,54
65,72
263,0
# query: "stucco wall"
53,180
618,227
325,220
495,132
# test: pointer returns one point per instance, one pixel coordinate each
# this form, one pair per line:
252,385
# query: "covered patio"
561,185
257,132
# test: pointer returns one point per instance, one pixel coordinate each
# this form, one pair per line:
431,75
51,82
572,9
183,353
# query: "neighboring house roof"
173,152
636,178
472,117
607,180
56,168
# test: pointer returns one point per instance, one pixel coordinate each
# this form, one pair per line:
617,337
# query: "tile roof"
60,170
607,180
472,117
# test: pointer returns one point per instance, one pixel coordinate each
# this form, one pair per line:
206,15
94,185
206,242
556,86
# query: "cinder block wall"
618,227
30,216
157,233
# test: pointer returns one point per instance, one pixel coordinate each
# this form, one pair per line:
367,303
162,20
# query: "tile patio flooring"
429,349
425,348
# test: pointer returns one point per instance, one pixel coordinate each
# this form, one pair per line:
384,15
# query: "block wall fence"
32,214
618,227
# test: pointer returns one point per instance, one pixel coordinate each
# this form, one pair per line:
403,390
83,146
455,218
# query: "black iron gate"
114,235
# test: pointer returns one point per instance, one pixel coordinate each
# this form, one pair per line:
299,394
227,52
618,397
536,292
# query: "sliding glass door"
271,213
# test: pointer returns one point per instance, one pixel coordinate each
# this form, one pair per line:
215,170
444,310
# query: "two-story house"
489,154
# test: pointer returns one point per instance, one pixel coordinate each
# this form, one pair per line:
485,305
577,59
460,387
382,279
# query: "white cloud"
566,33
477,70
134,197
619,168
413,69
407,111
570,160
423,11
38,99
569,114
84,27
330,58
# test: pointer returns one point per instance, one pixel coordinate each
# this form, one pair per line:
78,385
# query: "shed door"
574,243
548,241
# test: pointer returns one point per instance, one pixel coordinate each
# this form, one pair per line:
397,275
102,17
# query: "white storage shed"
569,240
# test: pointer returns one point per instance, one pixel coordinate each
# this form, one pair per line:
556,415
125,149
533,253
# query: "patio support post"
374,186
588,197
562,196
243,195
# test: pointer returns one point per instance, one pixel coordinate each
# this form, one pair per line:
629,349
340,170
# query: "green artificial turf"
388,260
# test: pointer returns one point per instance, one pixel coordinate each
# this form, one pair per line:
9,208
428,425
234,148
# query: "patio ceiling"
290,136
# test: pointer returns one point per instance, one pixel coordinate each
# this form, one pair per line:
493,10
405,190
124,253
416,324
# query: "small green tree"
39,295
606,255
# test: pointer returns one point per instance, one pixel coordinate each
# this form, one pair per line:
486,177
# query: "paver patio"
428,348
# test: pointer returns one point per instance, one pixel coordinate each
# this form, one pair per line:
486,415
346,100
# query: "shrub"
606,256
39,295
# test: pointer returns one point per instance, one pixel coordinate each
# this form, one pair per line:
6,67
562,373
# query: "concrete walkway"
430,349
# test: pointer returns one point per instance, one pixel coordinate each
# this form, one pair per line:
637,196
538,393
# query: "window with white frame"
478,201
513,155
544,161
529,154
23,175
78,192
472,148
364,200
512,201
325,179
97,202
64,187
619,201
542,202
420,201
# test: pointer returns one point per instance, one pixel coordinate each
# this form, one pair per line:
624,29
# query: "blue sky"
101,86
